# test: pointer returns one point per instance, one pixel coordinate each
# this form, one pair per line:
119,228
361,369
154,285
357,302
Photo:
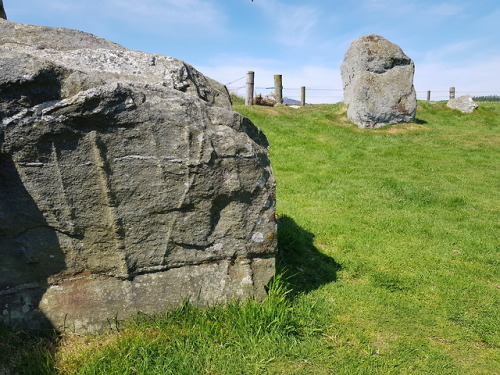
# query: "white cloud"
174,15
44,10
63,6
444,9
178,17
294,23
391,6
413,8
447,52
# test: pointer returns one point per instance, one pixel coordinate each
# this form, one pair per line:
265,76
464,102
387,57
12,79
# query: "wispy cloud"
174,15
444,9
294,23
47,9
414,8
447,52
64,6
202,17
390,6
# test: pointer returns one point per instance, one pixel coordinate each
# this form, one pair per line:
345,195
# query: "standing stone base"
66,305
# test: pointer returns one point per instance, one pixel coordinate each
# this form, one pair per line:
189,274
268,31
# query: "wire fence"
440,95
290,94
293,95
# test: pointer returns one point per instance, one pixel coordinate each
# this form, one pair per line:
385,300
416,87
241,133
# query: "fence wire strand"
332,94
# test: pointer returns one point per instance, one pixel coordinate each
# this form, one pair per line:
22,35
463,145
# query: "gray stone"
126,184
465,104
378,83
2,11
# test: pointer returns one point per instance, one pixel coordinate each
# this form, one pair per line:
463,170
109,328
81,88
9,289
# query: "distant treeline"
489,98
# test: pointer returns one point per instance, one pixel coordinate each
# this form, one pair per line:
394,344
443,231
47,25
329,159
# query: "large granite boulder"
378,83
464,104
126,184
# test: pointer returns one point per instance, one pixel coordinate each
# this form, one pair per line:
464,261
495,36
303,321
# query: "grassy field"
390,241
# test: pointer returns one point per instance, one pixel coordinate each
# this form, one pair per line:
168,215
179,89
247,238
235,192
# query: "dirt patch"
401,128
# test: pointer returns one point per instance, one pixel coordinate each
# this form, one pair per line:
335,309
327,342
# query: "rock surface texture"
378,83
464,104
126,184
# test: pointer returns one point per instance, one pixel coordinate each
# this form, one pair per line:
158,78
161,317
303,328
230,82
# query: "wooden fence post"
303,95
452,93
278,88
250,88
428,95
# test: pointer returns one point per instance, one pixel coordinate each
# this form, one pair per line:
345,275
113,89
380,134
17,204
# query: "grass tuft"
192,340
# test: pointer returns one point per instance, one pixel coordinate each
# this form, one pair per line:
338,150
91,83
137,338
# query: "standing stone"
127,184
378,83
2,11
464,104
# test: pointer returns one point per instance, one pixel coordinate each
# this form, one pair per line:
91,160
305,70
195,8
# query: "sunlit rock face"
377,78
127,184
464,104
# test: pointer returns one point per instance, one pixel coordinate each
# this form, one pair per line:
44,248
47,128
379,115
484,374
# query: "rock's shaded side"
2,11
126,184
464,104
378,83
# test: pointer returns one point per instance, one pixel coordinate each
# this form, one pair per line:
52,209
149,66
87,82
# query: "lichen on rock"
377,79
464,104
126,184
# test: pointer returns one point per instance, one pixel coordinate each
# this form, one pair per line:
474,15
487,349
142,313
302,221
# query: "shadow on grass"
304,266
27,353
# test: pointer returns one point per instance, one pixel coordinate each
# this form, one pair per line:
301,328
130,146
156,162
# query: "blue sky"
453,43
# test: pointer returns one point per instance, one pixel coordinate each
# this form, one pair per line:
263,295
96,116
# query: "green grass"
390,239
411,216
